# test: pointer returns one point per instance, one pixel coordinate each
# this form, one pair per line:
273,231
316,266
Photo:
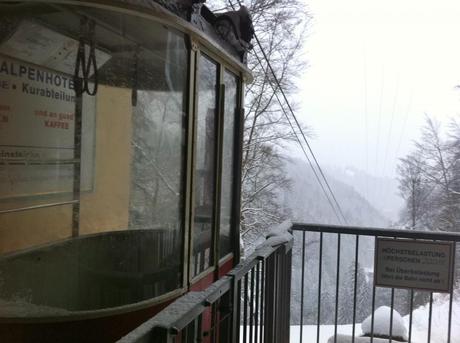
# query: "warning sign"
414,264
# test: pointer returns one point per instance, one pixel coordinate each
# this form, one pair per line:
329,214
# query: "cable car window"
228,150
91,216
205,166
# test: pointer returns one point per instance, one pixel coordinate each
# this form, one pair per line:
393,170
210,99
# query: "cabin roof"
232,30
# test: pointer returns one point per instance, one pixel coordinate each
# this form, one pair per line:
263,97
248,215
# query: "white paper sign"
37,44
37,115
420,265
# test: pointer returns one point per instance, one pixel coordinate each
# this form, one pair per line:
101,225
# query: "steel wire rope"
300,143
383,191
403,129
409,108
294,117
395,98
366,123
379,122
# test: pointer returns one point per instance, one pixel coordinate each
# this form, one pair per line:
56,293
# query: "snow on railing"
250,303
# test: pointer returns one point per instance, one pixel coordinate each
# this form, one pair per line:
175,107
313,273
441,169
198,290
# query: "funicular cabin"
120,140
121,126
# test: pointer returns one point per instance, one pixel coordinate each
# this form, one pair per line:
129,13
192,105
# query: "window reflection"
129,244
205,165
228,149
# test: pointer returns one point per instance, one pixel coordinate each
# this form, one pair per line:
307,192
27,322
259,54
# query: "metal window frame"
223,67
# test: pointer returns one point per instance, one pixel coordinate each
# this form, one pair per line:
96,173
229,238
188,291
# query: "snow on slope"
439,321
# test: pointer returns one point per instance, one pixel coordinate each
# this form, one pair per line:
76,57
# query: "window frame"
223,67
238,122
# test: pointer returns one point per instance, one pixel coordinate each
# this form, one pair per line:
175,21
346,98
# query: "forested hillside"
307,203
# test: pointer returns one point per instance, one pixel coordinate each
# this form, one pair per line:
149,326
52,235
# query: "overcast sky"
376,67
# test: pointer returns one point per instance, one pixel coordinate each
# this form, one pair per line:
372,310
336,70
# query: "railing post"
161,335
282,294
236,310
287,268
277,291
269,320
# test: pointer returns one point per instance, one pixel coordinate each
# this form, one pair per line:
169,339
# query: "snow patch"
326,331
281,228
278,235
382,318
439,321
344,334
349,339
439,326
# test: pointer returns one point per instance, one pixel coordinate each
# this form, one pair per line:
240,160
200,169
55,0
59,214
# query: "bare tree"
430,179
437,166
414,190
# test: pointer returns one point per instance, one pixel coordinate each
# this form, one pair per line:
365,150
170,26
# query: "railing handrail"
176,316
345,313
180,313
374,232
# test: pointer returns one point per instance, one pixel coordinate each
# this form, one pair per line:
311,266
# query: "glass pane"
205,166
228,159
127,246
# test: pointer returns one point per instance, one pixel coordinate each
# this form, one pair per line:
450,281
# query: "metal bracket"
194,45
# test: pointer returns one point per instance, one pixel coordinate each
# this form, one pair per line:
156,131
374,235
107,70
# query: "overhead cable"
278,86
301,145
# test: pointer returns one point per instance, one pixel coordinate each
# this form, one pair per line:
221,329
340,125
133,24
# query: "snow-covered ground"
439,321
326,331
439,325
309,332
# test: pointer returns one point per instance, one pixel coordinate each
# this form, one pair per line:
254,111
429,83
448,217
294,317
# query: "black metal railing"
333,289
250,304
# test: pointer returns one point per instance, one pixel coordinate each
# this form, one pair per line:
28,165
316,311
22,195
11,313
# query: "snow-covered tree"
327,308
363,295
415,190
430,179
